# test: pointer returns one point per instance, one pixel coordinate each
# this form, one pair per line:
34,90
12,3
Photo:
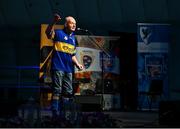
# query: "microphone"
80,29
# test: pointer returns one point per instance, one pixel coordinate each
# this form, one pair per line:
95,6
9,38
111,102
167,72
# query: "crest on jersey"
65,38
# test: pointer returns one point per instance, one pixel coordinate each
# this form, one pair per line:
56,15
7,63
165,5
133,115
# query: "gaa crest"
87,58
145,33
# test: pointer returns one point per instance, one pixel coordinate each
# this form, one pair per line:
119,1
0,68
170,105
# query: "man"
63,60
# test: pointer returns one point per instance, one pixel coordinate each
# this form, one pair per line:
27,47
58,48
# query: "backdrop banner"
152,48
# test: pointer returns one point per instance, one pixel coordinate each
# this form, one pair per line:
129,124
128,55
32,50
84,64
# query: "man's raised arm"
50,29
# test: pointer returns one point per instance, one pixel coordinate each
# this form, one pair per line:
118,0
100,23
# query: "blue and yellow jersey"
64,49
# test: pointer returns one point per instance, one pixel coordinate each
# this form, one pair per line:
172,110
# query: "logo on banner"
145,33
87,58
108,63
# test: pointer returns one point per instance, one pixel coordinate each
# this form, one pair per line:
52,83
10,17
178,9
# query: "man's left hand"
80,67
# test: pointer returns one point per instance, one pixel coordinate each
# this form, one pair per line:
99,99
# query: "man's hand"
57,18
80,67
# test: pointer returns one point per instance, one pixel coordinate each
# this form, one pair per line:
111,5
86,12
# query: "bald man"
63,60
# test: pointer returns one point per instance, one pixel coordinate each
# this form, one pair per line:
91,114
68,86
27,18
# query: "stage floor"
81,119
128,119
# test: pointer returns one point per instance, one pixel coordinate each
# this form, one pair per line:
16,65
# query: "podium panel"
89,103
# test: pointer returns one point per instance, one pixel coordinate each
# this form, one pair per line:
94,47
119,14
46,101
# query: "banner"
153,42
92,52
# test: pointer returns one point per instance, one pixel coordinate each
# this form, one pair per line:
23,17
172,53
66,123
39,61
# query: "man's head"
70,24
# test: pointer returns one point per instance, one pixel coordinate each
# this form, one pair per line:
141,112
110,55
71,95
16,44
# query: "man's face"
71,24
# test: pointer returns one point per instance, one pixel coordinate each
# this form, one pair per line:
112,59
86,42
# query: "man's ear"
65,25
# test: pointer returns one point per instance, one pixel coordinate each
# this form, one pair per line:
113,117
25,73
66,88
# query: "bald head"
70,18
70,24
